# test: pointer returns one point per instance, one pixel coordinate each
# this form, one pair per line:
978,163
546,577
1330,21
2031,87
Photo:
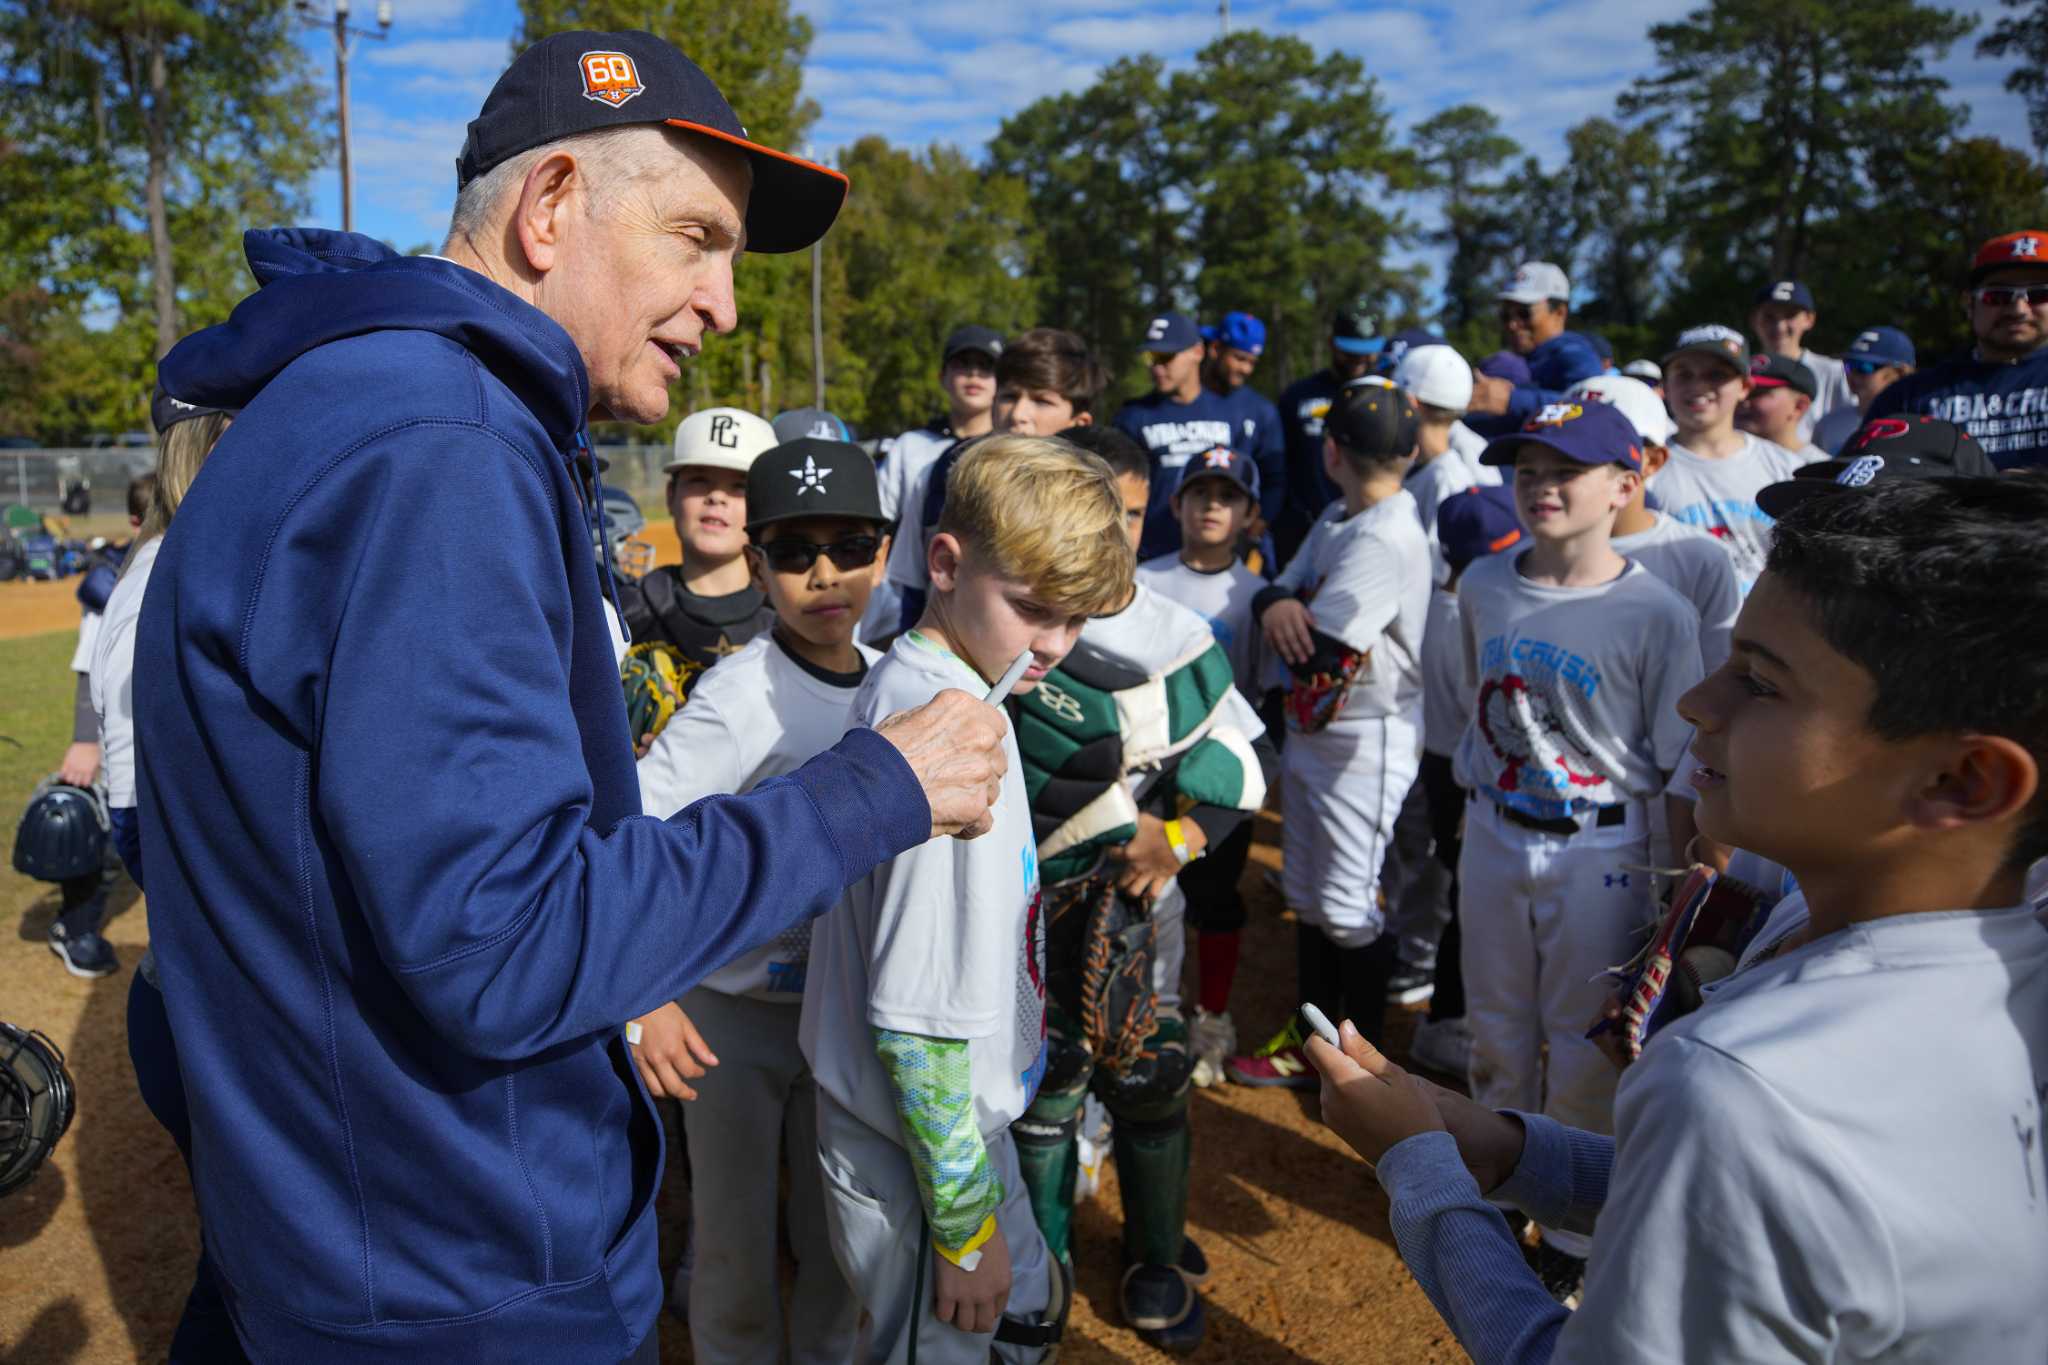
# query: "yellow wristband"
969,1256
1179,842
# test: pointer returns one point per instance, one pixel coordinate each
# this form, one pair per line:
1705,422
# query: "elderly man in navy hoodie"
1534,307
401,890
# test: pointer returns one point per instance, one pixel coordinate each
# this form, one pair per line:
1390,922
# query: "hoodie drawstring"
595,507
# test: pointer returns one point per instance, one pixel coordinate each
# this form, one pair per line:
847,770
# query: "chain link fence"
39,478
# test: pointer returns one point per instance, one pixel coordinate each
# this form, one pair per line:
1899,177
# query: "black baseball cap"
166,412
1884,448
581,81
987,340
1373,419
1777,372
1356,332
809,477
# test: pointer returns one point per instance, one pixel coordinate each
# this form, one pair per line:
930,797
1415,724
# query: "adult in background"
401,893
1534,307
1878,358
1999,391
1354,344
1231,352
1783,315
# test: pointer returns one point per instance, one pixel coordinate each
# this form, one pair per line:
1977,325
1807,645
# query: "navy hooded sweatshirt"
401,891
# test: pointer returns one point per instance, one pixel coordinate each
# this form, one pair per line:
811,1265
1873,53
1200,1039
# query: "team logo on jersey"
1861,470
1555,415
1542,747
609,77
725,432
811,478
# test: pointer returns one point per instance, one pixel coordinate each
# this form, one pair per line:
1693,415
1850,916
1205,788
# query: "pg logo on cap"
1555,415
609,77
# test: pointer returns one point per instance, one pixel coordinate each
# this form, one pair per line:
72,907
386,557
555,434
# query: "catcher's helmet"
36,1102
63,833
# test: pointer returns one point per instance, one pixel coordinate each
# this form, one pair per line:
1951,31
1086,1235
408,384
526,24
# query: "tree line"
1771,138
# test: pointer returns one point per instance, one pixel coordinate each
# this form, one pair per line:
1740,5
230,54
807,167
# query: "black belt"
1604,817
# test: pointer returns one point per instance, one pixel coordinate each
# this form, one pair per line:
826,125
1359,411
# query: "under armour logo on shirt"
810,477
725,432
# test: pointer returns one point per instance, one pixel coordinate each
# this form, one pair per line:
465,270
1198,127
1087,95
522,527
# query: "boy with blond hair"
924,1009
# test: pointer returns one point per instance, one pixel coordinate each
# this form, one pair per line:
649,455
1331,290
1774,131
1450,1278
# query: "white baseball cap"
721,438
1637,401
1536,281
1436,375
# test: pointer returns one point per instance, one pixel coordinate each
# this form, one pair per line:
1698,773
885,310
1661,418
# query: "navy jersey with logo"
1174,433
2005,406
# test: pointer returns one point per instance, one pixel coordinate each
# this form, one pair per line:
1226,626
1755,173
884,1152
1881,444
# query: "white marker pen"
1320,1022
1003,685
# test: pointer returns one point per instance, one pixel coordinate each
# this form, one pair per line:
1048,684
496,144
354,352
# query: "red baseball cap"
2014,248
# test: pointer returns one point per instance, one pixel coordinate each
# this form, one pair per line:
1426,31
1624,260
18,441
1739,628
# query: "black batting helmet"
63,832
36,1103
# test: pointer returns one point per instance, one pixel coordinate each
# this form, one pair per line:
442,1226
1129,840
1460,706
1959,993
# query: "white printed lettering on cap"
1782,291
1861,471
725,432
810,477
1866,338
1156,330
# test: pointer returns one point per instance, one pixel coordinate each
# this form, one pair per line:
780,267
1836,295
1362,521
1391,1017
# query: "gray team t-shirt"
1575,690
1701,572
1221,597
945,941
1719,497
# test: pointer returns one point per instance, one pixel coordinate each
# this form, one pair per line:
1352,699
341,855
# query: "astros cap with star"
1588,431
720,438
809,477
1221,462
581,81
2014,248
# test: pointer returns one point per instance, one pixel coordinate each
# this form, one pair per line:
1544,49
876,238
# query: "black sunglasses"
2003,295
787,554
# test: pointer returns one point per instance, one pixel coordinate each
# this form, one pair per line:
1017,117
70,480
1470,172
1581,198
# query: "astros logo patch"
610,77
1218,458
1556,415
2027,246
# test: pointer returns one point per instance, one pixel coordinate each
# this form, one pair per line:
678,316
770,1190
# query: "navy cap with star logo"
809,477
582,81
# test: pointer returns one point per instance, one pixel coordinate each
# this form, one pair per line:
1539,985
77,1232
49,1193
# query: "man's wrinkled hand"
954,744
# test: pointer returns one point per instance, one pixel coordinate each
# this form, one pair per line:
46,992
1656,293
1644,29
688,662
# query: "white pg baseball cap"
1436,375
721,438
1536,281
1637,401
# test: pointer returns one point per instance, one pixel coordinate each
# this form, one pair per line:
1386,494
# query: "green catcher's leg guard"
1045,1142
1152,1144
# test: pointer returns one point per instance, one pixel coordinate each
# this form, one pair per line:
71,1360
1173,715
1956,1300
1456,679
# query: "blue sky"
951,72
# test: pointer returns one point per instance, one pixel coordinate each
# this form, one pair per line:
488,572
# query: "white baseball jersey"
1366,581
1863,1113
756,714
900,483
1719,497
946,940
1446,705
1575,689
1831,381
1221,597
1471,445
111,667
1694,564
89,623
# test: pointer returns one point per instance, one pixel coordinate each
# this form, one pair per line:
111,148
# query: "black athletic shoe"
1562,1274
83,951
1162,1307
1410,985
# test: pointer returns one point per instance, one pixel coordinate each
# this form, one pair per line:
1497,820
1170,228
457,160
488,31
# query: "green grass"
36,688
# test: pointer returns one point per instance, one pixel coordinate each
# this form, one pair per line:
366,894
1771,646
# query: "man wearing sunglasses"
1533,310
1999,391
1879,358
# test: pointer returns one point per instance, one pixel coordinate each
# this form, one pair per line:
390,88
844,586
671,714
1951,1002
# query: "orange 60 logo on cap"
610,76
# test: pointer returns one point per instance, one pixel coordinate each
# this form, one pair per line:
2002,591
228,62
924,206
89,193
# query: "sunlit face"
1230,366
1781,327
1212,512
2012,326
1174,371
710,511
1559,498
639,273
1703,392
1773,412
991,618
1136,493
969,379
822,603
1034,412
1525,326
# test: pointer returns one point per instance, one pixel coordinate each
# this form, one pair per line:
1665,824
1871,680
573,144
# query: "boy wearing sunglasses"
1879,358
818,543
1999,392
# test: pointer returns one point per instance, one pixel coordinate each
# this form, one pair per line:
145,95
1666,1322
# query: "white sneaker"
1211,1038
1443,1045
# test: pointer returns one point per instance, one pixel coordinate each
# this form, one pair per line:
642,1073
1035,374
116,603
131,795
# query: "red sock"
1216,952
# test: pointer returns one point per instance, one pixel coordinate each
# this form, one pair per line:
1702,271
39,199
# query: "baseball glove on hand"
657,680
1711,917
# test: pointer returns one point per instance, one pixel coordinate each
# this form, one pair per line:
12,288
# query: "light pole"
342,34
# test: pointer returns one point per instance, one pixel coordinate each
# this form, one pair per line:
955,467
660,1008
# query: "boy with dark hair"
1355,345
1820,1162
817,544
1046,382
707,606
1780,404
1346,617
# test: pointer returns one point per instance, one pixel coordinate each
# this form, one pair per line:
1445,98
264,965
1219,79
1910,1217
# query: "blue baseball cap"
1882,345
1241,332
1787,291
1221,462
1589,432
1169,334
1476,523
1356,333
1509,366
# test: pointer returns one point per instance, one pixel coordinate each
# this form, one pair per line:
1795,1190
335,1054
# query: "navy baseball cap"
1884,448
1169,334
1776,372
1221,462
1882,346
1786,291
1356,333
1476,523
166,412
1590,432
987,340
582,81
1509,366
